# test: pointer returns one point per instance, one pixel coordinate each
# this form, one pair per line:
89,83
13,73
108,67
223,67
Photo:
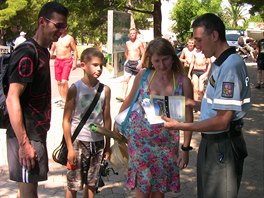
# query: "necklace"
173,77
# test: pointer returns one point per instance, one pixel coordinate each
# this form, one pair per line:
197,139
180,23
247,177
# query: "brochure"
170,106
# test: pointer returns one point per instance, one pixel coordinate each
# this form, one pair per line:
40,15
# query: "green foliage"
20,15
233,13
87,20
256,18
257,7
185,11
9,9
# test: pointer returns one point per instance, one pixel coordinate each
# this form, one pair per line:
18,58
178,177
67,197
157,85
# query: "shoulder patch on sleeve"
212,81
25,67
227,89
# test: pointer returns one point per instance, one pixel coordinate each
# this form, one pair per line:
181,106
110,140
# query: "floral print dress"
153,150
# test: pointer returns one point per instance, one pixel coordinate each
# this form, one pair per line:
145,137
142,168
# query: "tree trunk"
157,18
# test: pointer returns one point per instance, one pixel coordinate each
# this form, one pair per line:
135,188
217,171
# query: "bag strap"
28,42
88,112
144,78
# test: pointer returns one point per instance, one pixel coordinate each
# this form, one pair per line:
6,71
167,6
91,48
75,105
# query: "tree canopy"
257,6
88,18
185,11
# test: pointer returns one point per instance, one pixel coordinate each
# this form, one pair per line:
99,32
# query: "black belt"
234,131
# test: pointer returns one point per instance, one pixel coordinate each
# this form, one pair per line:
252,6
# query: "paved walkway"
252,181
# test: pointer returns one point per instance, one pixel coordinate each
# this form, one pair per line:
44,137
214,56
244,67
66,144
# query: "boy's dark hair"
89,53
211,23
49,8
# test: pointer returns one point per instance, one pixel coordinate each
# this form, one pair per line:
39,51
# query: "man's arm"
142,53
52,49
27,153
107,120
182,56
220,122
75,53
183,160
205,75
126,51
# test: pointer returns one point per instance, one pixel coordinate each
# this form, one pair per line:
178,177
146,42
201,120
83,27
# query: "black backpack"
4,63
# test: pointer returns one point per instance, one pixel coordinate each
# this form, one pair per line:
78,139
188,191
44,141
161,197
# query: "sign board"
117,35
4,50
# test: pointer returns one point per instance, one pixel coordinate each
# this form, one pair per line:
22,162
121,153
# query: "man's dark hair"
211,23
49,8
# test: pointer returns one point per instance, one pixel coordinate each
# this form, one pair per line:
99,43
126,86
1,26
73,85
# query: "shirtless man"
198,72
134,59
187,55
64,62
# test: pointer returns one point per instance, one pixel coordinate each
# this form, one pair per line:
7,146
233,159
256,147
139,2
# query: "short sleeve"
229,86
22,65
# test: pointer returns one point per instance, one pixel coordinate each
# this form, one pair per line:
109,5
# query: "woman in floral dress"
154,157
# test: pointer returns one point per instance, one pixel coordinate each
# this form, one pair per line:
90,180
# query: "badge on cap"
228,89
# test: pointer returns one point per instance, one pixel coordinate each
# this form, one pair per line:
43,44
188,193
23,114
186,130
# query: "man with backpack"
28,102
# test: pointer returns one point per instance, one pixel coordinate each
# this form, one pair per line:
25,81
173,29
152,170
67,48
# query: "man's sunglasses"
58,25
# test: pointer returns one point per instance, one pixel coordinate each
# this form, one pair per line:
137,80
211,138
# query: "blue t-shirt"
228,87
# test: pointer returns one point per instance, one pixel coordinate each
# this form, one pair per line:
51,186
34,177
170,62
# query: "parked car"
232,39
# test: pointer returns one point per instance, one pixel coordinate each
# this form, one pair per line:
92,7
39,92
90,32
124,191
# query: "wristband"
188,148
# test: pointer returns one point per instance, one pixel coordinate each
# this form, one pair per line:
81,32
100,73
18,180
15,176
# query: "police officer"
226,101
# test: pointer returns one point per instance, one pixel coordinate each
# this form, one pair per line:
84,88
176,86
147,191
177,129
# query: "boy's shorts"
62,68
130,67
17,172
91,158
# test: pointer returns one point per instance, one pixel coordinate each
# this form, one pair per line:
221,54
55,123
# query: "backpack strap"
25,43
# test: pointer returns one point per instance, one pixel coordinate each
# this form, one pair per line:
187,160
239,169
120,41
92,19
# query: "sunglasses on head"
58,25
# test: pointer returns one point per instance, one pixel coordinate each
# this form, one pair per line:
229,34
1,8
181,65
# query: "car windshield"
232,37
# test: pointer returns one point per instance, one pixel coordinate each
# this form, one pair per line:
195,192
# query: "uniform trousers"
219,171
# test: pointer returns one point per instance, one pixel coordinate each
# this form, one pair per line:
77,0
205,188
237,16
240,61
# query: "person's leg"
195,81
27,179
58,73
157,195
259,76
64,87
59,87
140,194
125,85
216,170
28,190
70,193
66,70
92,156
89,191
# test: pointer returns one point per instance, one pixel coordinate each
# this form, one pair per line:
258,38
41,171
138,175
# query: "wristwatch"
188,148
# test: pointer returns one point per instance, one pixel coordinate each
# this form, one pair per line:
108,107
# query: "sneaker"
258,86
120,99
